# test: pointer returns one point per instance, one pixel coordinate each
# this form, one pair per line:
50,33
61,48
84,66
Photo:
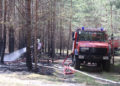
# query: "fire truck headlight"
102,29
83,28
83,49
76,52
105,58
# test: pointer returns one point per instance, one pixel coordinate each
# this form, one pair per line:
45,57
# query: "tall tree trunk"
11,40
4,35
61,36
53,40
49,38
70,27
53,27
61,28
1,7
1,30
28,34
35,37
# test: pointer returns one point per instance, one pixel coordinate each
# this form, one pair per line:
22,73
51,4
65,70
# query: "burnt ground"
51,74
46,75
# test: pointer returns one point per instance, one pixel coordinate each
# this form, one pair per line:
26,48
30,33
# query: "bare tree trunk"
60,36
53,27
4,35
49,37
1,7
11,40
70,27
28,34
35,37
61,39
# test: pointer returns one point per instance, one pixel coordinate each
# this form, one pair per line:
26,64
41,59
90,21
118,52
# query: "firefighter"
39,44
39,47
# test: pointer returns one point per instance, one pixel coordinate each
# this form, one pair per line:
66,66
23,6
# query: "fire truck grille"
93,51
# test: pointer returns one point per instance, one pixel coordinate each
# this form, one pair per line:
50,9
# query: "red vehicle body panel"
116,43
93,44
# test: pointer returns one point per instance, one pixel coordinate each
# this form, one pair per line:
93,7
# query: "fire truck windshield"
91,36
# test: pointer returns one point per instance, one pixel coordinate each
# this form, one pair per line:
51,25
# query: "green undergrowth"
80,78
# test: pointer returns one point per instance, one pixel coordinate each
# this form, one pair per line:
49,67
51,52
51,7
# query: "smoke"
15,55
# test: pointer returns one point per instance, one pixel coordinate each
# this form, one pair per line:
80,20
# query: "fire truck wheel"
106,65
77,63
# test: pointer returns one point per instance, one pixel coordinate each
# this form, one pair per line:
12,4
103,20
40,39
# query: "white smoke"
15,55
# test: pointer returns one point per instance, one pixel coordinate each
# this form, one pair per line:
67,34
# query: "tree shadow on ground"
91,69
113,69
21,67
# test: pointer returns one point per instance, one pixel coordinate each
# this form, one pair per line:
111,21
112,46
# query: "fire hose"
70,70
67,69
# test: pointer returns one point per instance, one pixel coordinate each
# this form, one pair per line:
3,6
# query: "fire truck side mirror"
73,37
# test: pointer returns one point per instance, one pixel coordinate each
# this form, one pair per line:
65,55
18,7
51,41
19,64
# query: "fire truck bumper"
93,58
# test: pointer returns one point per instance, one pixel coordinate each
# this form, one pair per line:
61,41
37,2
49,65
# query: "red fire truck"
91,46
116,44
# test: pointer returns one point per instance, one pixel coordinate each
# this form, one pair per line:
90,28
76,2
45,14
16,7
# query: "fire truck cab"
91,46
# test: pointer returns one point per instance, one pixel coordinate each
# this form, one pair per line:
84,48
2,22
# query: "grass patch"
114,74
111,76
80,78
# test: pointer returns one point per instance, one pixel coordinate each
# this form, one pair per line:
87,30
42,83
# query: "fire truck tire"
99,66
77,63
106,65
